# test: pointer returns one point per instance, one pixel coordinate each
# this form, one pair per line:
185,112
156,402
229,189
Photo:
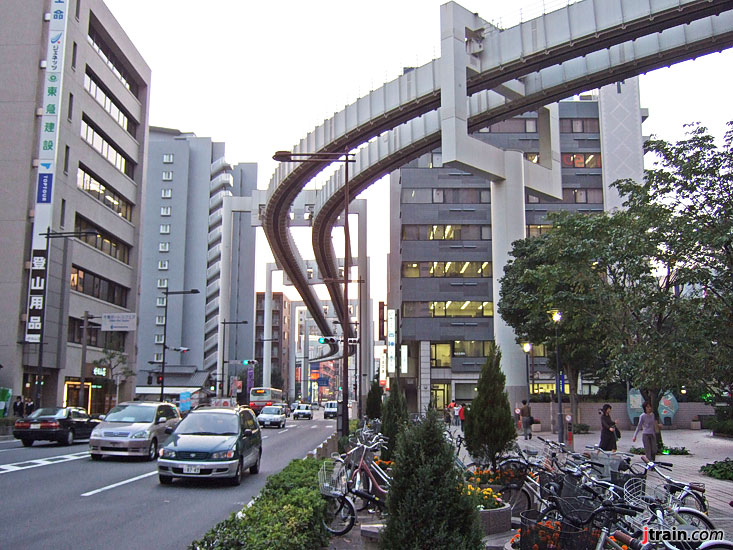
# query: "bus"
261,397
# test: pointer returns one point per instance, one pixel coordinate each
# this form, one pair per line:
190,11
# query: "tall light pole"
346,158
224,367
556,315
167,293
527,348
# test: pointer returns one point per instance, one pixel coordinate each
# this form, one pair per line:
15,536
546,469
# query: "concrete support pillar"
225,284
508,225
292,353
423,391
267,347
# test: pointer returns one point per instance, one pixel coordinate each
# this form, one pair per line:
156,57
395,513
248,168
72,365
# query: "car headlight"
223,454
167,453
97,433
142,434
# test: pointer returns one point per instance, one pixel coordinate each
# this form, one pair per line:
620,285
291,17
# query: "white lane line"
9,441
125,482
38,462
283,430
265,436
314,427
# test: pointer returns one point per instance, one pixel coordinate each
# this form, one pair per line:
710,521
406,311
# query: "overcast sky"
260,75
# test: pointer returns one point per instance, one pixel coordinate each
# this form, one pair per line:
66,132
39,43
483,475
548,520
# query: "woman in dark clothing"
608,429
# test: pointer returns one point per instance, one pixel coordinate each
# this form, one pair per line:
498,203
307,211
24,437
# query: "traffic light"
328,340
160,379
150,379
249,361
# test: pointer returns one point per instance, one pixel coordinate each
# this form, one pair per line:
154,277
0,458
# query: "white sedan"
303,411
272,416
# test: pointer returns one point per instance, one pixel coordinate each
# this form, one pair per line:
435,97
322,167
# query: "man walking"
18,407
526,414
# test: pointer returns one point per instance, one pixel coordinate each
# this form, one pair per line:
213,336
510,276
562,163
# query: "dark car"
212,443
62,424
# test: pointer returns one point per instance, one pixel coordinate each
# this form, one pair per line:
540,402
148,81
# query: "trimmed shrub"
721,469
394,419
427,506
374,401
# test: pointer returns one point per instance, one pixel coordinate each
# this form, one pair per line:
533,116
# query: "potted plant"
695,423
496,516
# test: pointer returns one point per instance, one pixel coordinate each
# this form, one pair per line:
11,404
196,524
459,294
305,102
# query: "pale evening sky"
260,75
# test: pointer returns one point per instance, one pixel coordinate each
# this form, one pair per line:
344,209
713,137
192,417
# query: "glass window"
410,269
532,157
165,228
417,196
595,196
440,355
592,160
566,125
160,320
166,193
162,283
485,232
485,196
160,301
579,161
530,125
164,246
159,338
436,233
532,199
415,309
580,196
410,232
577,125
168,175
437,269
469,348
167,158
591,125
437,196
165,210
163,265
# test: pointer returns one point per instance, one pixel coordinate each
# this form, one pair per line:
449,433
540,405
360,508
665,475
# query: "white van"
331,409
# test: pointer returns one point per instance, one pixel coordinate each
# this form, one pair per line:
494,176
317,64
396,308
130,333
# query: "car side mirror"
161,420
100,417
248,432
168,430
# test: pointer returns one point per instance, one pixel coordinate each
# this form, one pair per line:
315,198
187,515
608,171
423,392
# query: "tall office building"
188,178
280,343
441,241
74,114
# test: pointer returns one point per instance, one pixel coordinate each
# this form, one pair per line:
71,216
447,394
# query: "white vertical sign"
403,359
383,370
391,341
47,154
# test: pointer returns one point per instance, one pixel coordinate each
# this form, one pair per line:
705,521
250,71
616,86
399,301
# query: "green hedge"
287,515
722,469
724,427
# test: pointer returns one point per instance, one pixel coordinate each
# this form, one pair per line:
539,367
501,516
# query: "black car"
62,424
212,443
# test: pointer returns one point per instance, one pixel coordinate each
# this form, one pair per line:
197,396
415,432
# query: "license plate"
189,469
35,426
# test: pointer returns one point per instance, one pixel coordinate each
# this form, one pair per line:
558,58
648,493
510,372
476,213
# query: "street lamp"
527,348
225,354
346,158
167,293
556,316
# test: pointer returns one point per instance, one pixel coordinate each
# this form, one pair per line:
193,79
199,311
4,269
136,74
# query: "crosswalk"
38,462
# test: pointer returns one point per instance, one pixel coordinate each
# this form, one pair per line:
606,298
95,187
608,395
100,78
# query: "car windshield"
131,413
56,412
207,423
331,405
303,407
271,410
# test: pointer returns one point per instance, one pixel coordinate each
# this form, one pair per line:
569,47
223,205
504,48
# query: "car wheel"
27,442
95,456
256,468
164,480
69,440
237,479
153,450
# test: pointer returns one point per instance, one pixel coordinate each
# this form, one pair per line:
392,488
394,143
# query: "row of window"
98,44
579,126
108,104
446,196
529,126
446,269
571,196
100,191
535,230
446,232
442,352
93,285
102,240
95,337
581,160
450,308
94,138
167,158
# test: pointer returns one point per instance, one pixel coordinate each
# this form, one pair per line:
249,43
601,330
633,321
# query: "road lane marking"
125,482
38,462
314,427
283,430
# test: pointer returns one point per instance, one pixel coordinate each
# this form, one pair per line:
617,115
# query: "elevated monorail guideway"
495,58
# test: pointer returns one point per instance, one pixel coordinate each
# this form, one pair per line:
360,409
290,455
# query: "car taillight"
21,424
268,403
251,404
50,425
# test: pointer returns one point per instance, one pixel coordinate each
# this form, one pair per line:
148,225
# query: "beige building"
74,114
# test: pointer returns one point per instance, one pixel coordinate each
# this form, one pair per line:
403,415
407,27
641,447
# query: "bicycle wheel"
517,497
362,483
695,501
339,516
695,518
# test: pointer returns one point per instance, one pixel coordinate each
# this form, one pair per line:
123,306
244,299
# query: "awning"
168,390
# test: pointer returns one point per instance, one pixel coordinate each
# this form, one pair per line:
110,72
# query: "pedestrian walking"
462,414
456,417
609,430
525,413
29,406
447,416
18,408
649,426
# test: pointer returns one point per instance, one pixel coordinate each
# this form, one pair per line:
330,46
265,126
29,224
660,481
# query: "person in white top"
648,426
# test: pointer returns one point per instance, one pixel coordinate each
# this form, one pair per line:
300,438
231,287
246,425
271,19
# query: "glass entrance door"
439,396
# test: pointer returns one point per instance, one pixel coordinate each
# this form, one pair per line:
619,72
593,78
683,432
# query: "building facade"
188,178
74,109
280,344
441,242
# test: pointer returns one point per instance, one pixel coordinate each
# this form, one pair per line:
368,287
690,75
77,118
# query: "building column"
423,391
267,344
508,225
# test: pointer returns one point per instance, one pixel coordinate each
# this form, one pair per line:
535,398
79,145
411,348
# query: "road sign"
122,322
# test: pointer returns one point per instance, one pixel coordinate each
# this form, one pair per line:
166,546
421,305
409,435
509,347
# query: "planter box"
695,425
495,521
536,427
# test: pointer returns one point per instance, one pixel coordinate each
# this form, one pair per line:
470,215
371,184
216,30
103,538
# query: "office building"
74,113
280,340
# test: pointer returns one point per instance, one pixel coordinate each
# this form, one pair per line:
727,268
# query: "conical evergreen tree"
394,418
374,401
489,426
426,506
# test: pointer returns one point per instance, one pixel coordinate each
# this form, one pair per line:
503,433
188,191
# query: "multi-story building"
441,241
74,113
280,340
188,178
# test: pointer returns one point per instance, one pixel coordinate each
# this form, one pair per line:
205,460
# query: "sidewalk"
701,444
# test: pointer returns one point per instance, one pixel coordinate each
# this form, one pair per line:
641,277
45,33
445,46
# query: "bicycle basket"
545,479
619,479
332,478
553,534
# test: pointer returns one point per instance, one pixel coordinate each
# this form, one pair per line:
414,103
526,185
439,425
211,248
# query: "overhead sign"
403,359
184,401
47,155
391,340
121,322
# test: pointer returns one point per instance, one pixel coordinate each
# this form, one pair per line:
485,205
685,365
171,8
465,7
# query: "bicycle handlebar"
628,540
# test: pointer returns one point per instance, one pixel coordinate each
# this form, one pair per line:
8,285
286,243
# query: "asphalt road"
56,498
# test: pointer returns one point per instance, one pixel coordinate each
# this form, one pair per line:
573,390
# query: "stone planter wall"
495,521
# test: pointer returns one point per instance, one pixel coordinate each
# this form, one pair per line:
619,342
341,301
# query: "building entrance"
439,396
